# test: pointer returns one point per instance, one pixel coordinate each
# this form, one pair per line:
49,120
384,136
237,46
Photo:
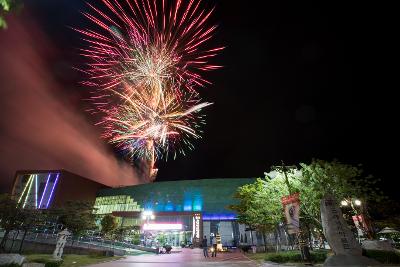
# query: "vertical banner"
197,228
357,219
291,206
361,224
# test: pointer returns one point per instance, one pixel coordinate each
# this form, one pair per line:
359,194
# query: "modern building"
42,189
183,210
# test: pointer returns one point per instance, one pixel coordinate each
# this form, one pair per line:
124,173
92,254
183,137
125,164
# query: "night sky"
300,81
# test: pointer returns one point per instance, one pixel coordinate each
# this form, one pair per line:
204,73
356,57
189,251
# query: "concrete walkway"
187,257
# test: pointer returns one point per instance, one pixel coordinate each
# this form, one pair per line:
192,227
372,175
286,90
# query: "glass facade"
110,204
179,202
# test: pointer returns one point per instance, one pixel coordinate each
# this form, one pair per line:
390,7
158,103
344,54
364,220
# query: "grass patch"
256,256
70,260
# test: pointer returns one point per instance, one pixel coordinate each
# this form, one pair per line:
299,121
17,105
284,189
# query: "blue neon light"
187,201
197,203
169,207
219,216
192,200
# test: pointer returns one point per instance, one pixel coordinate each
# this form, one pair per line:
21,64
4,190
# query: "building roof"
210,196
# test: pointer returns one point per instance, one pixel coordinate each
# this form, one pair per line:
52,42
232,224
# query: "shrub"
281,257
48,262
245,248
319,255
295,256
53,264
10,265
388,257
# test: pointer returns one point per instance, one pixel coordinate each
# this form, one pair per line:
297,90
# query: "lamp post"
147,215
360,215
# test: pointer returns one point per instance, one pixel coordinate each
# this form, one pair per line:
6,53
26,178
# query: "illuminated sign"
162,226
196,225
219,216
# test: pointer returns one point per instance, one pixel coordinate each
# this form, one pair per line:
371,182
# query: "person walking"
214,246
205,247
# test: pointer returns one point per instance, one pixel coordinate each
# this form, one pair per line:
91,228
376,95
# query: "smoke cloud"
39,127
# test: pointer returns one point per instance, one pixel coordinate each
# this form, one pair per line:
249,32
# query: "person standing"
214,245
205,247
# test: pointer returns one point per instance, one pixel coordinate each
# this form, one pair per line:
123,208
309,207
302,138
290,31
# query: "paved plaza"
187,257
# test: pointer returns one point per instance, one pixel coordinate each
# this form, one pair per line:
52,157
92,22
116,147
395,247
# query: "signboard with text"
196,227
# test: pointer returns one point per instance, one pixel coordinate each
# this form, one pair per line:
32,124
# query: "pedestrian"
214,246
205,247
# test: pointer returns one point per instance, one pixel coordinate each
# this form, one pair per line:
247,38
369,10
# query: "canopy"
388,230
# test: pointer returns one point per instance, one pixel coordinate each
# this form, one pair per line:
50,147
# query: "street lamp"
351,201
147,215
358,215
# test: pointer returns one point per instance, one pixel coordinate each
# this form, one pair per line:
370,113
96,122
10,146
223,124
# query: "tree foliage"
11,216
10,212
5,7
343,181
77,216
256,207
108,224
259,204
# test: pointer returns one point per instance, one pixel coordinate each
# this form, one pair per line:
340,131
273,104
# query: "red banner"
291,206
361,224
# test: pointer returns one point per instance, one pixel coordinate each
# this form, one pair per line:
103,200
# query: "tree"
5,7
11,217
162,239
77,217
343,181
32,219
259,207
385,213
260,203
108,224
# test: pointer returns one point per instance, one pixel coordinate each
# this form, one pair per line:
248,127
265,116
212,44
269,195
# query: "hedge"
295,256
49,262
391,257
319,256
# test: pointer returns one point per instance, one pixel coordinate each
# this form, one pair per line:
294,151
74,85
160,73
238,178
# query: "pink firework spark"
146,61
144,41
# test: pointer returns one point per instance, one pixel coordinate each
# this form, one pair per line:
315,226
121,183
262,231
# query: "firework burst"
146,128
146,62
149,43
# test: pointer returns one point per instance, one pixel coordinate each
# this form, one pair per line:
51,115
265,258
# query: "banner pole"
305,252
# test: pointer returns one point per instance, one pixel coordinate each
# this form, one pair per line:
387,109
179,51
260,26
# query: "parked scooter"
166,249
187,245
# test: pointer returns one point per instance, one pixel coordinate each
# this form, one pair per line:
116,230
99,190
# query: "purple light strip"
44,191
36,191
52,190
